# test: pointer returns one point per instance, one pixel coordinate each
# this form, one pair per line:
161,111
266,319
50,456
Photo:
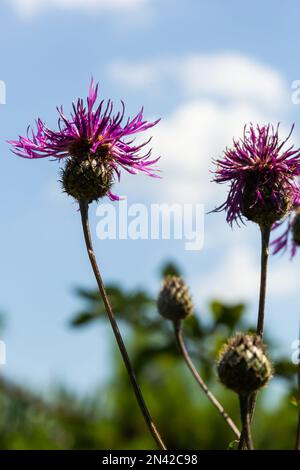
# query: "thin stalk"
298,403
246,439
265,240
298,425
209,394
138,394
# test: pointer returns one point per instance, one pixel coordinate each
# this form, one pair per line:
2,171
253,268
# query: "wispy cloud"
190,138
28,8
236,277
230,75
218,94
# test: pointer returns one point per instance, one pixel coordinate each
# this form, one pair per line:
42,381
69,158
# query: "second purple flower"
262,175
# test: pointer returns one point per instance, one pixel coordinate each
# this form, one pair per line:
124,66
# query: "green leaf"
193,328
132,307
228,315
295,402
149,353
233,445
83,318
170,269
285,368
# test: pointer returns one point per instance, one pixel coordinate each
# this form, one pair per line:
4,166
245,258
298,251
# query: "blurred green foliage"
110,418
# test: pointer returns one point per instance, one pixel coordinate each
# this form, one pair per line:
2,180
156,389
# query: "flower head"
93,134
174,300
261,174
243,365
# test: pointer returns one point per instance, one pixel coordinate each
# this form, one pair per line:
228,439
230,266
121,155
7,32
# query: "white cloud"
27,8
214,97
233,76
236,277
190,138
141,75
201,124
230,75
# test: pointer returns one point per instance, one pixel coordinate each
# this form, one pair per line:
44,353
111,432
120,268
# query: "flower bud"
88,178
243,365
267,209
174,301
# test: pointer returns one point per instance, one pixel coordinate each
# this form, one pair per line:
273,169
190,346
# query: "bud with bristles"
269,210
87,178
174,301
243,364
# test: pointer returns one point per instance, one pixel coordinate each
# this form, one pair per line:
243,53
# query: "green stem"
209,394
138,394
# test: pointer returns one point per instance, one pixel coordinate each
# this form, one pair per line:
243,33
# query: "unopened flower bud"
88,178
174,301
243,365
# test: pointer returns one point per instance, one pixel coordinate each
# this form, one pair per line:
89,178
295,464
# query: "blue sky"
205,68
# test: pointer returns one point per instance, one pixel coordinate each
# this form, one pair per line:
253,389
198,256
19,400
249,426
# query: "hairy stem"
246,439
209,394
138,394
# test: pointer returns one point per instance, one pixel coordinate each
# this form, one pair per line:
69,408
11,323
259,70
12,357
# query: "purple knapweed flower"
290,238
261,174
95,144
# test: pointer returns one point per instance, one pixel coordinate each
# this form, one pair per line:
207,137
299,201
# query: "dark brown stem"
209,394
298,403
246,439
265,239
138,394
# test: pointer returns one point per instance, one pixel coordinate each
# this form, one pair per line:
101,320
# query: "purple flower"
290,238
92,130
261,174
